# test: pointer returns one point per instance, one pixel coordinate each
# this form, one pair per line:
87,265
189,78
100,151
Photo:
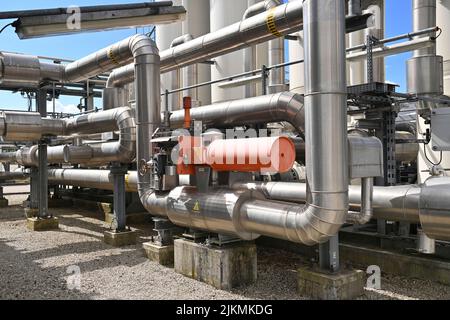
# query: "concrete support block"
319,285
40,224
4,203
164,255
222,267
106,208
120,239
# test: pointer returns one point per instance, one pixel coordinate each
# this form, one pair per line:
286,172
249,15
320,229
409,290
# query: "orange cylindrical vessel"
272,154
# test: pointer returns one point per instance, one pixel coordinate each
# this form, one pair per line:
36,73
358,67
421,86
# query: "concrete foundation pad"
222,267
408,265
160,254
39,224
318,285
4,203
120,239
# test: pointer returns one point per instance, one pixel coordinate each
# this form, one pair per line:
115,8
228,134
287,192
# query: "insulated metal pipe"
398,203
276,50
285,106
123,150
191,75
366,212
287,19
326,130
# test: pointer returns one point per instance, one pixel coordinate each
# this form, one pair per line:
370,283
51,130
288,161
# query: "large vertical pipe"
297,71
326,131
325,98
165,33
443,47
197,24
425,77
275,50
223,14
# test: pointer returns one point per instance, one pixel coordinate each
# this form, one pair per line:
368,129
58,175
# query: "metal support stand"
329,255
118,172
41,103
264,75
120,220
34,188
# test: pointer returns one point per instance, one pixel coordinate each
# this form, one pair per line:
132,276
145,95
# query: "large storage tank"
297,71
225,13
443,42
197,23
165,33
442,49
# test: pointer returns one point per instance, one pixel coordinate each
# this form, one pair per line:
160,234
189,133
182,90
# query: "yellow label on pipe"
271,23
127,178
112,57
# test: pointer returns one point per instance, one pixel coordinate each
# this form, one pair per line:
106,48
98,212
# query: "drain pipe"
276,51
326,131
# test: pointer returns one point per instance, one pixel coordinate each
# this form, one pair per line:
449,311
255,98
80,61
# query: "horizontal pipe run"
285,106
123,150
394,49
398,203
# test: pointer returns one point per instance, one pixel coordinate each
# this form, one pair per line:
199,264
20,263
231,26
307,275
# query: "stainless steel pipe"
123,150
326,130
285,106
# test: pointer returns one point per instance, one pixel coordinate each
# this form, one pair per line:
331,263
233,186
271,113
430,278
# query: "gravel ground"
34,266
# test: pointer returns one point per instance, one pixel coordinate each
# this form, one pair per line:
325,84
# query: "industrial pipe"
285,106
284,19
123,150
276,51
326,131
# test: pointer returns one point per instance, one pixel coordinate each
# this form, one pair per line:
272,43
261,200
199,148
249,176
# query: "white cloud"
59,107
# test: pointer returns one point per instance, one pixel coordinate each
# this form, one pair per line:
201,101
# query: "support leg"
120,235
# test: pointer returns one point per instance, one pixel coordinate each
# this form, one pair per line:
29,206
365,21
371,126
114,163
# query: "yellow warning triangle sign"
196,206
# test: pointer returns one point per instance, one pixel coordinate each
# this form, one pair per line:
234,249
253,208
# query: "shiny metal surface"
425,244
288,18
217,211
399,203
425,75
366,212
365,156
276,52
21,126
326,130
99,179
424,16
406,152
435,208
191,77
123,150
277,107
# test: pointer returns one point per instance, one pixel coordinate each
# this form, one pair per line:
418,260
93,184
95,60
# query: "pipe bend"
309,224
290,107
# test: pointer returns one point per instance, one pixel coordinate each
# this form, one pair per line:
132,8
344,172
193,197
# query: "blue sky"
398,21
